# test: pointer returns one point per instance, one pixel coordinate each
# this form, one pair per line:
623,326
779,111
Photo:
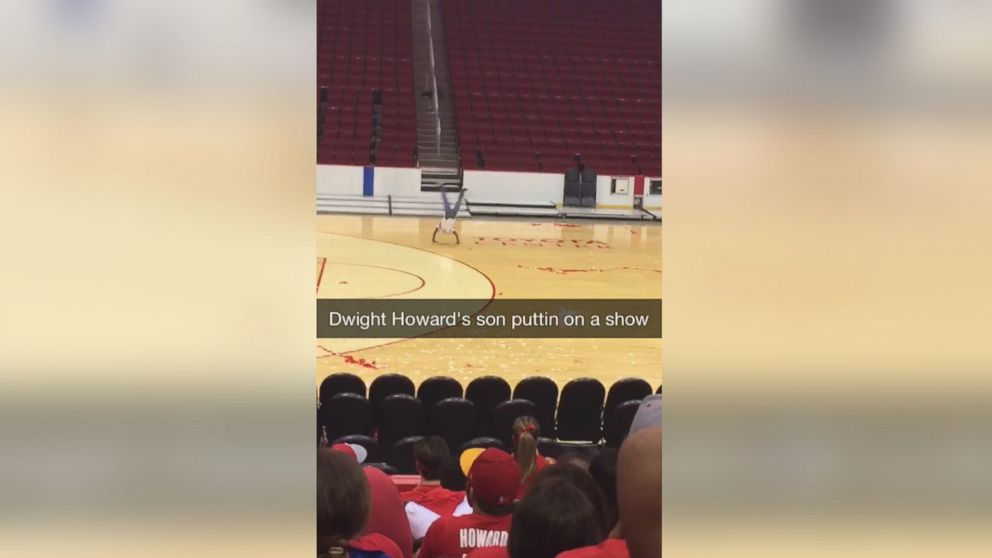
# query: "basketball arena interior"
546,117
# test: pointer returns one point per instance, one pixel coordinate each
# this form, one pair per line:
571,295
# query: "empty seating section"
557,78
363,46
391,420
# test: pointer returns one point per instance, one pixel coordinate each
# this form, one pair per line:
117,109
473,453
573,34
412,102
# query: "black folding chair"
453,419
397,416
433,390
506,413
616,425
400,455
554,449
627,389
580,410
389,384
345,414
341,382
487,392
543,393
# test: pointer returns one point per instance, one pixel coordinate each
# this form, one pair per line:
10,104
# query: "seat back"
431,391
398,416
616,425
506,413
580,410
627,389
554,449
340,382
400,455
345,414
486,392
389,384
453,419
543,393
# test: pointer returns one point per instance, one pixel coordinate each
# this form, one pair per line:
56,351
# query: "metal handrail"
437,117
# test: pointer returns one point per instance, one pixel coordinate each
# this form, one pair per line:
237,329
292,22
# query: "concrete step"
439,161
445,145
429,146
447,158
434,171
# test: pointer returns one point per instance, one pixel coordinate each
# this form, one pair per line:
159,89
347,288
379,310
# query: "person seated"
581,479
386,515
609,548
554,517
493,482
639,491
603,469
575,457
525,432
343,507
429,500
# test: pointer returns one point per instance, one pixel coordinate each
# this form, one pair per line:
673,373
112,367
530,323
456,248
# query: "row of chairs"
397,458
486,407
363,46
572,73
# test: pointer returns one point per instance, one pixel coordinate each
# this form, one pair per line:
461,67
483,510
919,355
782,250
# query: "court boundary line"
320,274
492,286
412,274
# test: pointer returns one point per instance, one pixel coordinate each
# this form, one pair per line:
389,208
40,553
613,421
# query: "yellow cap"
468,457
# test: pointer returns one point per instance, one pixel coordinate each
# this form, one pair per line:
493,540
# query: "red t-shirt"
490,552
456,537
435,498
539,463
386,514
610,548
376,542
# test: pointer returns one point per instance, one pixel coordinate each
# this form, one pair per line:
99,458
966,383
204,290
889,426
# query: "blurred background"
156,337
826,280
826,265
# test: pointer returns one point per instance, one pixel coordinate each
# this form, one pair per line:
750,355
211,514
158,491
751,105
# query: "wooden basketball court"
372,256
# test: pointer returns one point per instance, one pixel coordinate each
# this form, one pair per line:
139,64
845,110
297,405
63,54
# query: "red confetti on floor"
361,362
561,271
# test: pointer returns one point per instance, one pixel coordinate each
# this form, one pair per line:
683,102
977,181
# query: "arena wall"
489,186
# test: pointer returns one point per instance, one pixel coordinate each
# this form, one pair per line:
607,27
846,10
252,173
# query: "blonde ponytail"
525,432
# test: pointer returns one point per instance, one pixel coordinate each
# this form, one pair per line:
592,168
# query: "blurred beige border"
156,337
827,304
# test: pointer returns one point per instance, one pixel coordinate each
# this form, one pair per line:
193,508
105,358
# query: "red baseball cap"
495,477
354,450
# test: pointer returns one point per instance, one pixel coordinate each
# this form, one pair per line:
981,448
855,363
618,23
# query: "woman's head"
553,517
525,433
343,501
